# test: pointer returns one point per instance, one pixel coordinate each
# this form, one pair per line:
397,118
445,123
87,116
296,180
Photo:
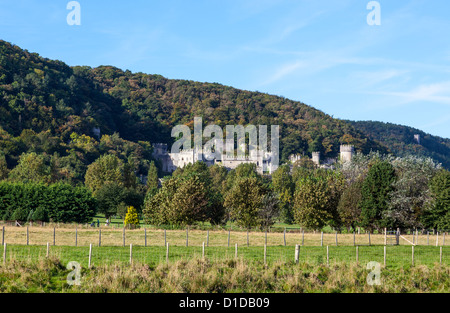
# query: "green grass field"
396,256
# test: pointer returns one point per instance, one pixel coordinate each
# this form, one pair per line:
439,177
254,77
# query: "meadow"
116,260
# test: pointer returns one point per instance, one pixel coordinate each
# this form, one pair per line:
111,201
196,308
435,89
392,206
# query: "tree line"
372,191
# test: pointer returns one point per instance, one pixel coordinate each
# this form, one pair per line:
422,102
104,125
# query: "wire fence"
392,256
106,236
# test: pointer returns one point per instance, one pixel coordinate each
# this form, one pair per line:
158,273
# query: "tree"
152,177
316,199
375,195
109,197
31,168
40,215
106,169
284,187
4,171
270,210
244,201
131,218
410,193
311,203
180,201
349,205
437,214
190,202
20,214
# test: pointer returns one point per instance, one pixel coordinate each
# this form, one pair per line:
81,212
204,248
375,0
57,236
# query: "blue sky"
320,52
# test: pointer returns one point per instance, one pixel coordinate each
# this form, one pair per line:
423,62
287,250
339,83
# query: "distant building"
294,158
171,161
417,138
316,158
347,152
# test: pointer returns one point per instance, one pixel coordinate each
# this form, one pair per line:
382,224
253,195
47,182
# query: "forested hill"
400,139
51,108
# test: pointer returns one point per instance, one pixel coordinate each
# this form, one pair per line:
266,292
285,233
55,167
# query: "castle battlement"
347,152
347,148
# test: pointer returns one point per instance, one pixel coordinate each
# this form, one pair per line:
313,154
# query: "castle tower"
347,152
316,158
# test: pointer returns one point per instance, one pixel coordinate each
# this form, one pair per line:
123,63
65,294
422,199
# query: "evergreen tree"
284,187
375,195
437,216
152,177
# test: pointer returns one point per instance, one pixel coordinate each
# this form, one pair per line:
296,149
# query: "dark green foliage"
438,215
244,201
284,188
152,177
60,202
316,199
20,214
40,215
375,194
349,205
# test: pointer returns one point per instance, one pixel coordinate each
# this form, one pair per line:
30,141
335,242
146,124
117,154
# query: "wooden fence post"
235,251
284,236
297,254
3,235
167,253
99,237
165,238
48,250
90,255
54,236
265,254
203,249
28,237
357,255
328,257
4,252
131,253
145,237
385,236
437,238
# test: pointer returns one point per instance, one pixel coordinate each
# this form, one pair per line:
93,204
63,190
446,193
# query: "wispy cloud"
436,93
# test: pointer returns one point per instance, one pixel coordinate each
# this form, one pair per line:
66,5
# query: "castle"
346,154
263,160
